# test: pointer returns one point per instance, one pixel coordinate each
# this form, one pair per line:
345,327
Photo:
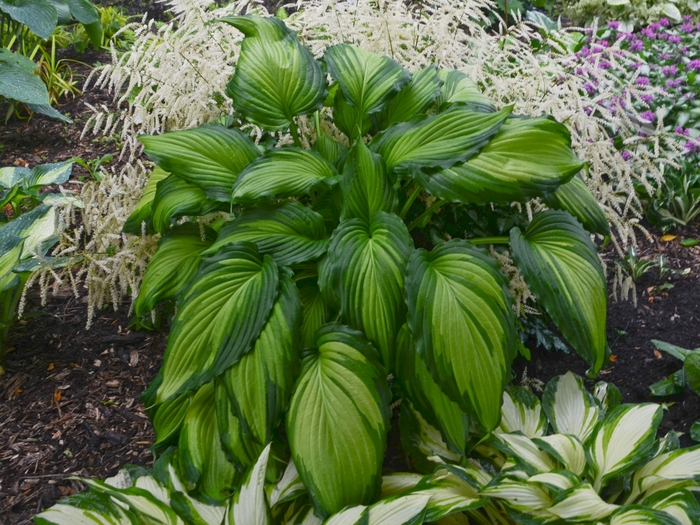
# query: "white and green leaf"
570,408
565,448
521,411
249,505
581,503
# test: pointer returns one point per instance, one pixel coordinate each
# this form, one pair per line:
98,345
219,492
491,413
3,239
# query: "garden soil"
70,399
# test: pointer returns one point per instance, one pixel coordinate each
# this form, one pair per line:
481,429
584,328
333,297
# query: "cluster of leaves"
299,307
25,26
631,13
28,228
571,458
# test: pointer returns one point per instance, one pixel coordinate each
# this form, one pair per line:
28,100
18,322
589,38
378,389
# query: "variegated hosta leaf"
287,488
168,420
414,99
37,228
422,441
367,82
449,493
236,447
202,460
10,251
522,412
220,315
366,187
526,453
398,510
291,233
276,77
462,323
189,508
301,515
567,449
86,509
518,495
347,516
283,173
557,480
210,156
638,515
418,385
623,439
569,407
315,312
261,383
143,212
175,198
608,395
679,503
367,262
398,482
560,265
438,141
581,503
249,505
458,88
527,158
577,199
38,176
676,466
172,266
338,420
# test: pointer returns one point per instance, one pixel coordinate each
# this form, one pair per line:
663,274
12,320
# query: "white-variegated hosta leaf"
421,439
191,508
209,156
520,495
623,439
526,453
172,266
637,515
367,262
560,264
86,509
522,412
556,480
283,173
567,449
276,77
220,315
569,407
287,488
458,88
10,251
449,494
367,82
398,482
608,395
249,505
338,420
37,228
347,516
462,323
679,503
678,466
202,460
581,503
398,510
291,232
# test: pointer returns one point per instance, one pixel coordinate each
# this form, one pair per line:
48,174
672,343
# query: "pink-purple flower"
614,24
647,98
664,22
693,146
669,71
626,155
674,83
693,64
649,33
648,115
673,39
642,81
637,45
687,28
681,131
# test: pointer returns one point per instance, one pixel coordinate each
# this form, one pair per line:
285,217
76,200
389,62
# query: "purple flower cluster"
648,115
693,65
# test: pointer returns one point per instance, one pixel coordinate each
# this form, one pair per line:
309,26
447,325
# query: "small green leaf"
695,431
689,242
175,198
691,366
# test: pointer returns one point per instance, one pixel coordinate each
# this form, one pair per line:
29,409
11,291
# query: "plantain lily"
298,307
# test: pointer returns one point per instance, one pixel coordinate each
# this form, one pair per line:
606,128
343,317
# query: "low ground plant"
632,14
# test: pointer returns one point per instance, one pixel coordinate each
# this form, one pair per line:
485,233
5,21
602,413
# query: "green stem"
9,300
295,134
489,240
317,124
411,199
426,214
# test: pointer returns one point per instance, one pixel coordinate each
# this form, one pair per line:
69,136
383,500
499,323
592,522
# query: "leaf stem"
411,198
423,217
295,133
489,240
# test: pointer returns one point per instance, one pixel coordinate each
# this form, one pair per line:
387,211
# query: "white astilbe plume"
175,77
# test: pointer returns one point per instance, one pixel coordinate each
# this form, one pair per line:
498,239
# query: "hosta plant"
297,304
572,458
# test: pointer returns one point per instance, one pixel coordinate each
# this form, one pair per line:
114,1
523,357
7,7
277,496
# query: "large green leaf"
221,314
459,311
83,11
175,198
315,311
527,158
560,265
338,420
276,77
577,199
202,460
438,141
291,233
367,82
37,228
283,173
235,445
623,439
691,367
261,383
10,250
210,156
413,100
17,82
366,187
168,421
38,15
172,266
458,88
367,263
143,210
426,396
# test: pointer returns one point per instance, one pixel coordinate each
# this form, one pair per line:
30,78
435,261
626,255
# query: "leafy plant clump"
300,306
631,13
599,463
